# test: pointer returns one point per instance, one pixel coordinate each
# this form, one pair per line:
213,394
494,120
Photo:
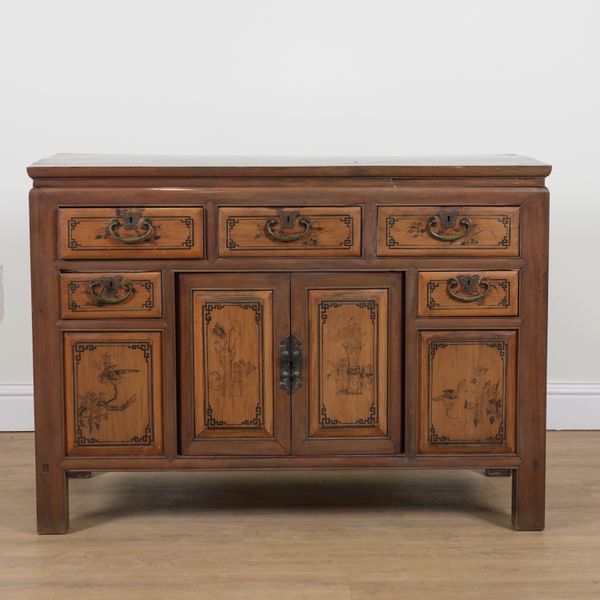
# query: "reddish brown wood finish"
290,286
290,231
445,230
230,329
113,393
467,389
130,232
350,399
102,295
468,294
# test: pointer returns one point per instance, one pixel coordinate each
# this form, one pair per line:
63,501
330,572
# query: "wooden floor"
304,535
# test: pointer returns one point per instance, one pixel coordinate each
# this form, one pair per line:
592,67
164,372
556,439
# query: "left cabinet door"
113,393
230,330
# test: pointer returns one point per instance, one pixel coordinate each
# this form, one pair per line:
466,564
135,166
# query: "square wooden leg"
52,500
528,497
497,472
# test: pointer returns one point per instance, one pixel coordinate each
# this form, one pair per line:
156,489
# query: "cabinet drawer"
448,231
468,293
110,295
113,393
307,231
130,233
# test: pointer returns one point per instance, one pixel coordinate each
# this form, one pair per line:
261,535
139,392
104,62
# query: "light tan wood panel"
230,325
127,232
468,294
290,231
351,388
110,295
467,391
113,393
448,231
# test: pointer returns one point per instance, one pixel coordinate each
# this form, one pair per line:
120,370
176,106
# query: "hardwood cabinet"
196,314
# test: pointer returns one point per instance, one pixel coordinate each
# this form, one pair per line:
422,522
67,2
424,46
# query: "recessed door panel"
349,401
232,401
113,393
467,392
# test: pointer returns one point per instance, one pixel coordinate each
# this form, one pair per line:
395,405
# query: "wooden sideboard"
193,313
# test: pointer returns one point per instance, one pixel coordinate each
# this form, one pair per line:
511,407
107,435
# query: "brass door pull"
468,284
437,224
282,237
129,219
105,290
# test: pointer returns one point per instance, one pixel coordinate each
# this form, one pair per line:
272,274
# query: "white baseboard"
16,406
573,405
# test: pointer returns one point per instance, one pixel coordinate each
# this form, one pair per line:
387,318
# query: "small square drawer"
301,231
130,232
110,295
468,294
448,231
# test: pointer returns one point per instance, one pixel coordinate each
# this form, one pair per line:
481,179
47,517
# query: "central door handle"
290,364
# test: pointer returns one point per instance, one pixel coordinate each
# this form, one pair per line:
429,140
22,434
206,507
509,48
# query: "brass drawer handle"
129,219
105,290
444,222
468,285
286,221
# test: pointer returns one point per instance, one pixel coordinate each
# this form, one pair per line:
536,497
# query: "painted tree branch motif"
95,406
476,400
229,380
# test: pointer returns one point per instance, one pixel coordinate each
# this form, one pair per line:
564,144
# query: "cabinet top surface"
123,165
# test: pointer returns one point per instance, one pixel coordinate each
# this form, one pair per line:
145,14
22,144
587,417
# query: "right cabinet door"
349,326
467,390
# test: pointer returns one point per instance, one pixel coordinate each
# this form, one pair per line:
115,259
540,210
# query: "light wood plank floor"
304,535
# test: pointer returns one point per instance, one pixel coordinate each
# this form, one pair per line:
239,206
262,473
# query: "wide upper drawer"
122,232
448,231
468,294
301,231
110,295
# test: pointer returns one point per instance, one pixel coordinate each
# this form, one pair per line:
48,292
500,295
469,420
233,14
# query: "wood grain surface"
462,231
381,535
105,232
110,295
468,294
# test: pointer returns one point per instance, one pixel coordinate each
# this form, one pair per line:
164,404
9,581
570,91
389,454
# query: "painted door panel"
350,328
230,327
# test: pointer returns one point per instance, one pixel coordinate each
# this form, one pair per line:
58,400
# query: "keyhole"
111,286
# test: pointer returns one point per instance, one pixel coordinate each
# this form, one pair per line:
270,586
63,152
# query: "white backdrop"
336,77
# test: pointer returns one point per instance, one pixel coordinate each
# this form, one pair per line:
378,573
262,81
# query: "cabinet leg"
497,472
52,500
528,497
79,474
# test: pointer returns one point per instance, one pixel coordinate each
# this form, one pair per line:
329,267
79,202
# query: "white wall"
313,77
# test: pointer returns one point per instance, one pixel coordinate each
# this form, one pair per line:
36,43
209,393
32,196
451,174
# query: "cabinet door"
230,326
467,392
113,393
349,401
